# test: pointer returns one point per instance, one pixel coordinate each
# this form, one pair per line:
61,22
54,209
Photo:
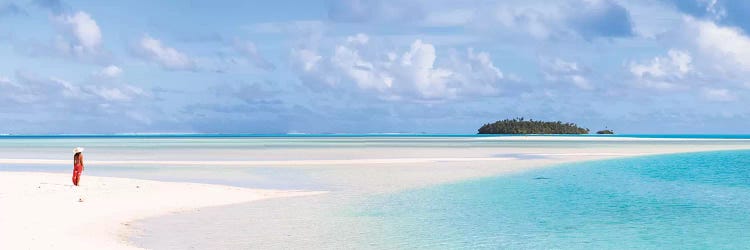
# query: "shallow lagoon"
680,201
649,202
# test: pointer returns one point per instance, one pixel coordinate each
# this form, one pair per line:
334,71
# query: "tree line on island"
523,126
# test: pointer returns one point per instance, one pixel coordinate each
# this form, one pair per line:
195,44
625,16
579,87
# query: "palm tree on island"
522,126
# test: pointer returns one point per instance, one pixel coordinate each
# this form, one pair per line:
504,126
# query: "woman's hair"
75,156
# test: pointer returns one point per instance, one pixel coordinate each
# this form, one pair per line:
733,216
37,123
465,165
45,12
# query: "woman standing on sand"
77,165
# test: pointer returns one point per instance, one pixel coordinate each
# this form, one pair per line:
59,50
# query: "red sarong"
77,170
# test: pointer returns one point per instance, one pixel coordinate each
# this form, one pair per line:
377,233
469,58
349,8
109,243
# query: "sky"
380,66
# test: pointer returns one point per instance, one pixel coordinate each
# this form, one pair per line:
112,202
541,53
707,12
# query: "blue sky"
640,66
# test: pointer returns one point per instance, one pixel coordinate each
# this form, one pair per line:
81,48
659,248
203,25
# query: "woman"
77,165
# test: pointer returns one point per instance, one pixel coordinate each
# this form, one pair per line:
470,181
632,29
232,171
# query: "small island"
522,126
605,132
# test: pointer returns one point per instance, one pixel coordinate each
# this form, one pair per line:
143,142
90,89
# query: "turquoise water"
386,135
676,201
680,201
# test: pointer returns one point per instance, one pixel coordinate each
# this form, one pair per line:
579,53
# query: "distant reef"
523,126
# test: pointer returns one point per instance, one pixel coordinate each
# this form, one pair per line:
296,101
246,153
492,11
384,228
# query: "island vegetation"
605,132
523,126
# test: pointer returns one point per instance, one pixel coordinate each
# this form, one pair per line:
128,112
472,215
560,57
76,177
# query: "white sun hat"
78,150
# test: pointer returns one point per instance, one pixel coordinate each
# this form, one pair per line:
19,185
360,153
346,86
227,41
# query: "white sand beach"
42,210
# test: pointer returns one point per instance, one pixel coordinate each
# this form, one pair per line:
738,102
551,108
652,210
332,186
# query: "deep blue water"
680,201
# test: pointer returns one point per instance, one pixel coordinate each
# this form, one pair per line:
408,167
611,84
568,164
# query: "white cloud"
80,39
559,70
67,89
110,71
34,99
411,74
307,59
476,74
169,58
711,57
663,72
677,63
84,29
718,94
32,89
721,42
51,91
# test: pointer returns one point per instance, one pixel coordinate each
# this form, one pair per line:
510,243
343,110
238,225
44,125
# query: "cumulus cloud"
663,72
80,39
562,71
412,74
84,29
476,73
725,43
676,63
170,58
708,60
710,56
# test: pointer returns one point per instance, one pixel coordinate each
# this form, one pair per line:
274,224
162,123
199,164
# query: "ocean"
676,201
375,135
